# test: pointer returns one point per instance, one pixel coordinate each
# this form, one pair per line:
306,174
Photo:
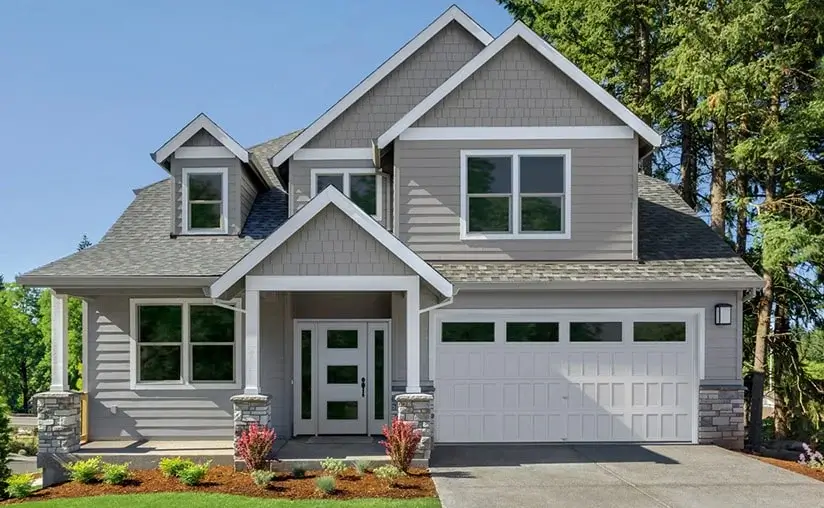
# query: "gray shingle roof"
260,154
675,245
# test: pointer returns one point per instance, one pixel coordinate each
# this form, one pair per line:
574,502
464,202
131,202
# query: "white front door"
342,394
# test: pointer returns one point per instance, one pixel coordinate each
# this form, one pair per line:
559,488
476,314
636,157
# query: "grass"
202,500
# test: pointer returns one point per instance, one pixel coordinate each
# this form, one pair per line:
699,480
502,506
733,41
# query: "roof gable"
330,197
452,14
519,30
200,122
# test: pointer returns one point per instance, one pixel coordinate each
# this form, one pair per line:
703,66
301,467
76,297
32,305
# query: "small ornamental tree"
401,443
254,445
5,444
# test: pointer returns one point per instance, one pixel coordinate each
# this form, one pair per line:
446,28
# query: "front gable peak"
200,126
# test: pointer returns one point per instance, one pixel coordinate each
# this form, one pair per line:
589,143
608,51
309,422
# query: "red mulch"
795,467
224,480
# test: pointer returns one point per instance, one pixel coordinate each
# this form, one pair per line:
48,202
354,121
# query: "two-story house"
463,239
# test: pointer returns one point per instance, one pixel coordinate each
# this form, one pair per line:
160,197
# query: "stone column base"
419,408
58,432
249,409
721,416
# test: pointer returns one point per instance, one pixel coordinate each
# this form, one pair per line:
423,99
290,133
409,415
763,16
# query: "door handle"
363,387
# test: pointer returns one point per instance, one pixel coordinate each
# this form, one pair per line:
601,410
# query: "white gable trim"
454,13
200,122
330,196
493,133
518,29
203,152
330,154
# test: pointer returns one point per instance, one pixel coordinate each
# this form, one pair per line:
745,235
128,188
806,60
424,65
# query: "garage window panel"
655,331
468,332
532,332
604,331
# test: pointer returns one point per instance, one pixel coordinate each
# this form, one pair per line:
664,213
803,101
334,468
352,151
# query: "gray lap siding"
604,190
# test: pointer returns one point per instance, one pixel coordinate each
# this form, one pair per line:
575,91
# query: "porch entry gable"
331,235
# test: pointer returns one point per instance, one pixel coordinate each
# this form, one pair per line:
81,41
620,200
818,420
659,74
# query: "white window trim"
346,173
185,344
515,196
224,208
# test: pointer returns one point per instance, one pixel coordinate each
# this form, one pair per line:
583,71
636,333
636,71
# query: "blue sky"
89,88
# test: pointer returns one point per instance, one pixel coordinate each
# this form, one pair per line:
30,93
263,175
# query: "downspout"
223,304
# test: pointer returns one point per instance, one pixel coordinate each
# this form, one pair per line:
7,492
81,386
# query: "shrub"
194,474
389,474
401,443
811,458
84,471
262,477
333,467
362,467
115,474
20,485
172,466
254,445
5,441
325,484
24,445
298,471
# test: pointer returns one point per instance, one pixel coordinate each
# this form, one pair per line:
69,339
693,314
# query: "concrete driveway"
614,476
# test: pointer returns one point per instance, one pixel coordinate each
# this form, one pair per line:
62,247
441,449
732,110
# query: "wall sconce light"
723,314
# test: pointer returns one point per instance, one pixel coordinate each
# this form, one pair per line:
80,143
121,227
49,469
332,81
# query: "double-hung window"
362,186
184,343
205,200
510,194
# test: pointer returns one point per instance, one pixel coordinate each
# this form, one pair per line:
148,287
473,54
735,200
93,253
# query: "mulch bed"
795,467
224,480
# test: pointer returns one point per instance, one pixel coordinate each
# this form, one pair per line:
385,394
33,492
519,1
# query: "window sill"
511,236
199,232
184,386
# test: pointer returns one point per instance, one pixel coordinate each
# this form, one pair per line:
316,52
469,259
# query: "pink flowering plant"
811,458
255,444
401,442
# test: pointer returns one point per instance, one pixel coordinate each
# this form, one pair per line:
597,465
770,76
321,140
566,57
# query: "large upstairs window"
515,194
362,186
205,201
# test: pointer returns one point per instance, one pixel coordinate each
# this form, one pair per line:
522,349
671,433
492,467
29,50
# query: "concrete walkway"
614,476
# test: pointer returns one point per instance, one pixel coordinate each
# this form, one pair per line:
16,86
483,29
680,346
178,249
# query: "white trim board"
515,133
337,154
518,29
454,13
331,196
201,121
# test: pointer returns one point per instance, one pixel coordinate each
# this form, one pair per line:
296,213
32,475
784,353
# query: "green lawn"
200,500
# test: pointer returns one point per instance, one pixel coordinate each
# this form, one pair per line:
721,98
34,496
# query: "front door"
341,383
342,390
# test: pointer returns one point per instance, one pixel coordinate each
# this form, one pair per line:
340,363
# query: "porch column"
413,339
251,384
59,343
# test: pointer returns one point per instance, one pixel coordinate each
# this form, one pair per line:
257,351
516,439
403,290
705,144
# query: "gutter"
223,304
444,303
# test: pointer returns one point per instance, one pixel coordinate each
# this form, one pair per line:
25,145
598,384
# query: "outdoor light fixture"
723,314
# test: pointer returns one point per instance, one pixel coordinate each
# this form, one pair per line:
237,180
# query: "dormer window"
205,198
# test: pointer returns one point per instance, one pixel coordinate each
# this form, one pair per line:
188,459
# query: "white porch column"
59,343
251,384
413,339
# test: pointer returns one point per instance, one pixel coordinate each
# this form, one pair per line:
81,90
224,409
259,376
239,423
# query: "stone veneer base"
721,416
58,432
419,409
248,409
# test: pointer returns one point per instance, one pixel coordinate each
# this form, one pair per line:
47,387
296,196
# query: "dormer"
214,182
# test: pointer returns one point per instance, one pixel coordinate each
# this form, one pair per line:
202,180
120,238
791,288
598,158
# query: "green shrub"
388,473
261,477
84,471
24,445
194,474
115,474
20,485
298,471
333,467
172,466
325,484
5,441
362,467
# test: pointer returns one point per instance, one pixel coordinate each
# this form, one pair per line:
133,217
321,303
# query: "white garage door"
571,376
